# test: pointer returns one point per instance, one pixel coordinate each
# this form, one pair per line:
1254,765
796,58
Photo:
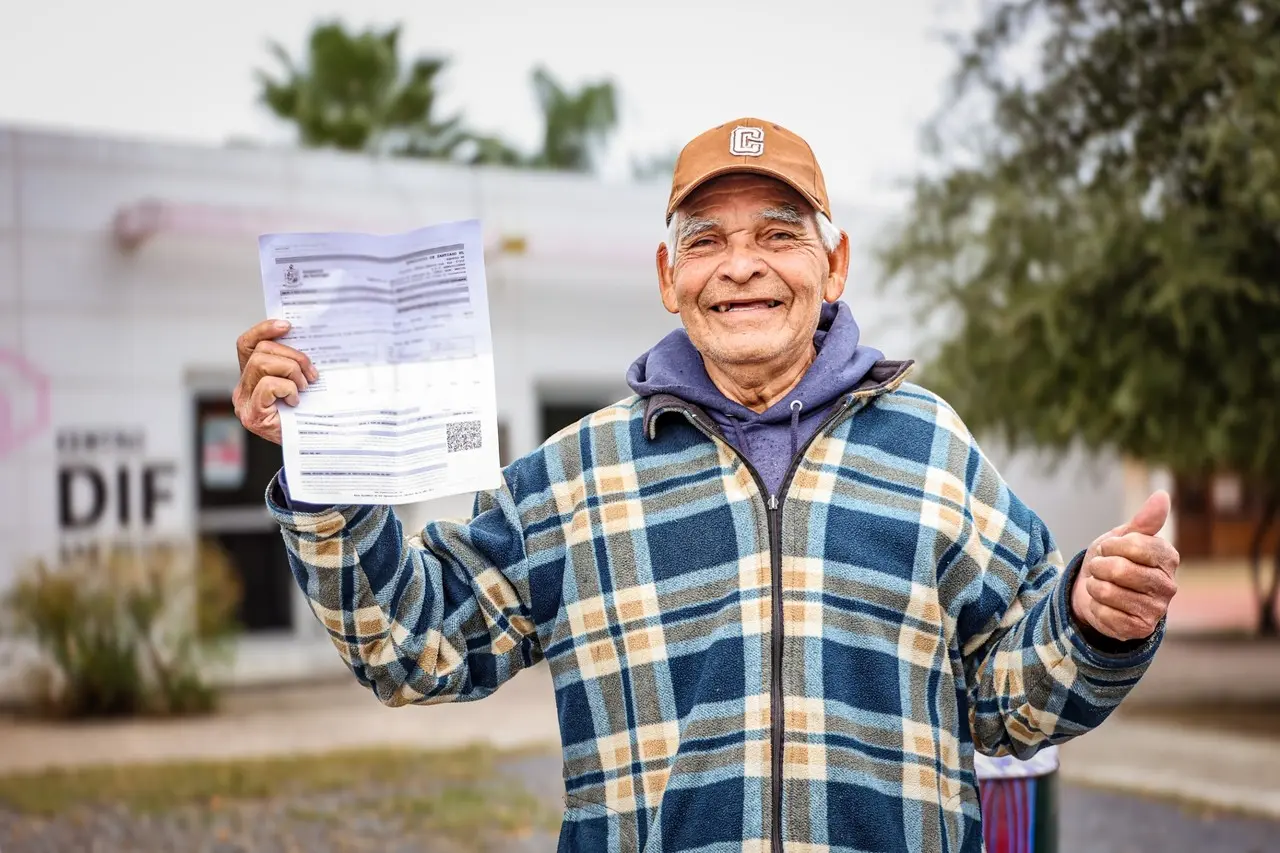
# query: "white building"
127,270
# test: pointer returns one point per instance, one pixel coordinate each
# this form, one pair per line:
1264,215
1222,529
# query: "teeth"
772,303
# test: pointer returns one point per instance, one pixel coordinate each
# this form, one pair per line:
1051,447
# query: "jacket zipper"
777,710
776,702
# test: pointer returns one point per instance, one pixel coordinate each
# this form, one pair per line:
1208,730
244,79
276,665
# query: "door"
233,467
558,414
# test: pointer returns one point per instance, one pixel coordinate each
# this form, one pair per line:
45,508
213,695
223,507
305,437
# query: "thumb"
1150,517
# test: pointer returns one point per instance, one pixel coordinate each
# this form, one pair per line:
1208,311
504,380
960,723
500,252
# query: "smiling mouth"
752,305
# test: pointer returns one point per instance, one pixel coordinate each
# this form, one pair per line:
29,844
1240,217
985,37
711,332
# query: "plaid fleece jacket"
808,671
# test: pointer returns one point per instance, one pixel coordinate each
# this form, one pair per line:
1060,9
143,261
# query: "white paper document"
398,329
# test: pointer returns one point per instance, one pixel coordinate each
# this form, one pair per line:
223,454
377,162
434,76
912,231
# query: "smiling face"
751,275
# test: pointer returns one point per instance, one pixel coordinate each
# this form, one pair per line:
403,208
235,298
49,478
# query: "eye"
785,235
701,241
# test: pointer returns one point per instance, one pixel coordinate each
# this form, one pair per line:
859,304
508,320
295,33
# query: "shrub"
125,629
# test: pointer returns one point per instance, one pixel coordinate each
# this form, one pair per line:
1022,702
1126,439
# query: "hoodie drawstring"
737,432
741,436
796,406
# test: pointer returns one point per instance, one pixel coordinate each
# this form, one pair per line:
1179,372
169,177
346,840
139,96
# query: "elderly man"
783,595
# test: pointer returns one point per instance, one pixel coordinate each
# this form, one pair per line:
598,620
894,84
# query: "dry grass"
460,809
161,787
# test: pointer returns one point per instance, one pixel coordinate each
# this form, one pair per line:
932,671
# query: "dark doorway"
556,415
233,467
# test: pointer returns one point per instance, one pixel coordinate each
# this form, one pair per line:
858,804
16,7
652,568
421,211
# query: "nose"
742,264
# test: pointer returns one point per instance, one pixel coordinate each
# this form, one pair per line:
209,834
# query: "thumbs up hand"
1127,579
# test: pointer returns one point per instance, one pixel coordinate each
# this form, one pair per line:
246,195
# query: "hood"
674,366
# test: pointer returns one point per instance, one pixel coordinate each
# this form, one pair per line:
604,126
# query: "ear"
666,280
838,262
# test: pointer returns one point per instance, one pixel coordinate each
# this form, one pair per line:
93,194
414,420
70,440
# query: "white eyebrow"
787,213
692,226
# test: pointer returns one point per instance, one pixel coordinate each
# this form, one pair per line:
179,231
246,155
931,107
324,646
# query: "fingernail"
282,324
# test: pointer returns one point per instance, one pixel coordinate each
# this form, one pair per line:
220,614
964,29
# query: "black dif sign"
106,484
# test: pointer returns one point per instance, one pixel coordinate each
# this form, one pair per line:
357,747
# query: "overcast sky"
854,77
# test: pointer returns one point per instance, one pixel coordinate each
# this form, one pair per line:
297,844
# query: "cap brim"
743,167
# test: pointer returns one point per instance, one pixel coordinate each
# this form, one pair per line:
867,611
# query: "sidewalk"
292,720
1212,767
1193,766
1200,765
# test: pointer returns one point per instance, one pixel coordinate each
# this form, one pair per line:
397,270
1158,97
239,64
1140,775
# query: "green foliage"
1104,248
655,167
352,93
490,150
576,128
576,125
125,629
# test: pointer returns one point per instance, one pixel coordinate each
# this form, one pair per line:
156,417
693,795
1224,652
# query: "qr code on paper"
464,435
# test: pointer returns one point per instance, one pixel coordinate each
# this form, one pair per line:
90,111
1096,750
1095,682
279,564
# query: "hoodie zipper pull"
773,502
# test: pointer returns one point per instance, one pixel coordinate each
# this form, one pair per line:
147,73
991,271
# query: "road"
1091,821
1103,822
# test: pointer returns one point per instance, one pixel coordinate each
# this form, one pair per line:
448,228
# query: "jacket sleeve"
1032,677
441,616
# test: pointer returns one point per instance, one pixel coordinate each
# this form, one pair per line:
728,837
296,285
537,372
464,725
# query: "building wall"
124,338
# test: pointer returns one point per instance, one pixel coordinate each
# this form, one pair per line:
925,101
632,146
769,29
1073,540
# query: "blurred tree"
350,93
489,150
576,125
655,167
576,128
1105,246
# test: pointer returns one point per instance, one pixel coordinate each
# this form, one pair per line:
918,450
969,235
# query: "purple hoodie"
768,439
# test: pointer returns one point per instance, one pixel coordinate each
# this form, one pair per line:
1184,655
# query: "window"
505,456
233,467
1228,495
556,415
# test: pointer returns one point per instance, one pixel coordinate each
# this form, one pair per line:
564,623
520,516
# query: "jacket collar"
884,375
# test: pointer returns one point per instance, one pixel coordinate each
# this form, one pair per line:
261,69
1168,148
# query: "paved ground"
1144,758
1144,748
297,719
1104,822
1130,752
362,822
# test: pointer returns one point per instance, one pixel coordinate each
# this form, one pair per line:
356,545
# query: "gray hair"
683,227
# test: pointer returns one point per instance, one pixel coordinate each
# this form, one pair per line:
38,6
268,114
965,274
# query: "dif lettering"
89,495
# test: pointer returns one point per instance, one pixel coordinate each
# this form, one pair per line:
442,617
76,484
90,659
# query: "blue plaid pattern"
923,612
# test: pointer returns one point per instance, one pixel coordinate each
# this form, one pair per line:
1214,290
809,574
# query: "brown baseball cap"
749,145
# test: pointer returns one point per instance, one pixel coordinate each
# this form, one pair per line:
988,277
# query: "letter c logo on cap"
746,142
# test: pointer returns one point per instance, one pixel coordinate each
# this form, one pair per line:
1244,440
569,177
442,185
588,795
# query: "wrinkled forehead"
739,190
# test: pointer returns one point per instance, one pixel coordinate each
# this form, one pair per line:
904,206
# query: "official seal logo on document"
292,278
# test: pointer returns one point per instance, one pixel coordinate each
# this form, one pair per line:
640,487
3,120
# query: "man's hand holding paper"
269,371
384,364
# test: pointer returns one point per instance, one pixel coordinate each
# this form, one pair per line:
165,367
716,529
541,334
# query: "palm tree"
576,124
654,167
350,93
491,150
